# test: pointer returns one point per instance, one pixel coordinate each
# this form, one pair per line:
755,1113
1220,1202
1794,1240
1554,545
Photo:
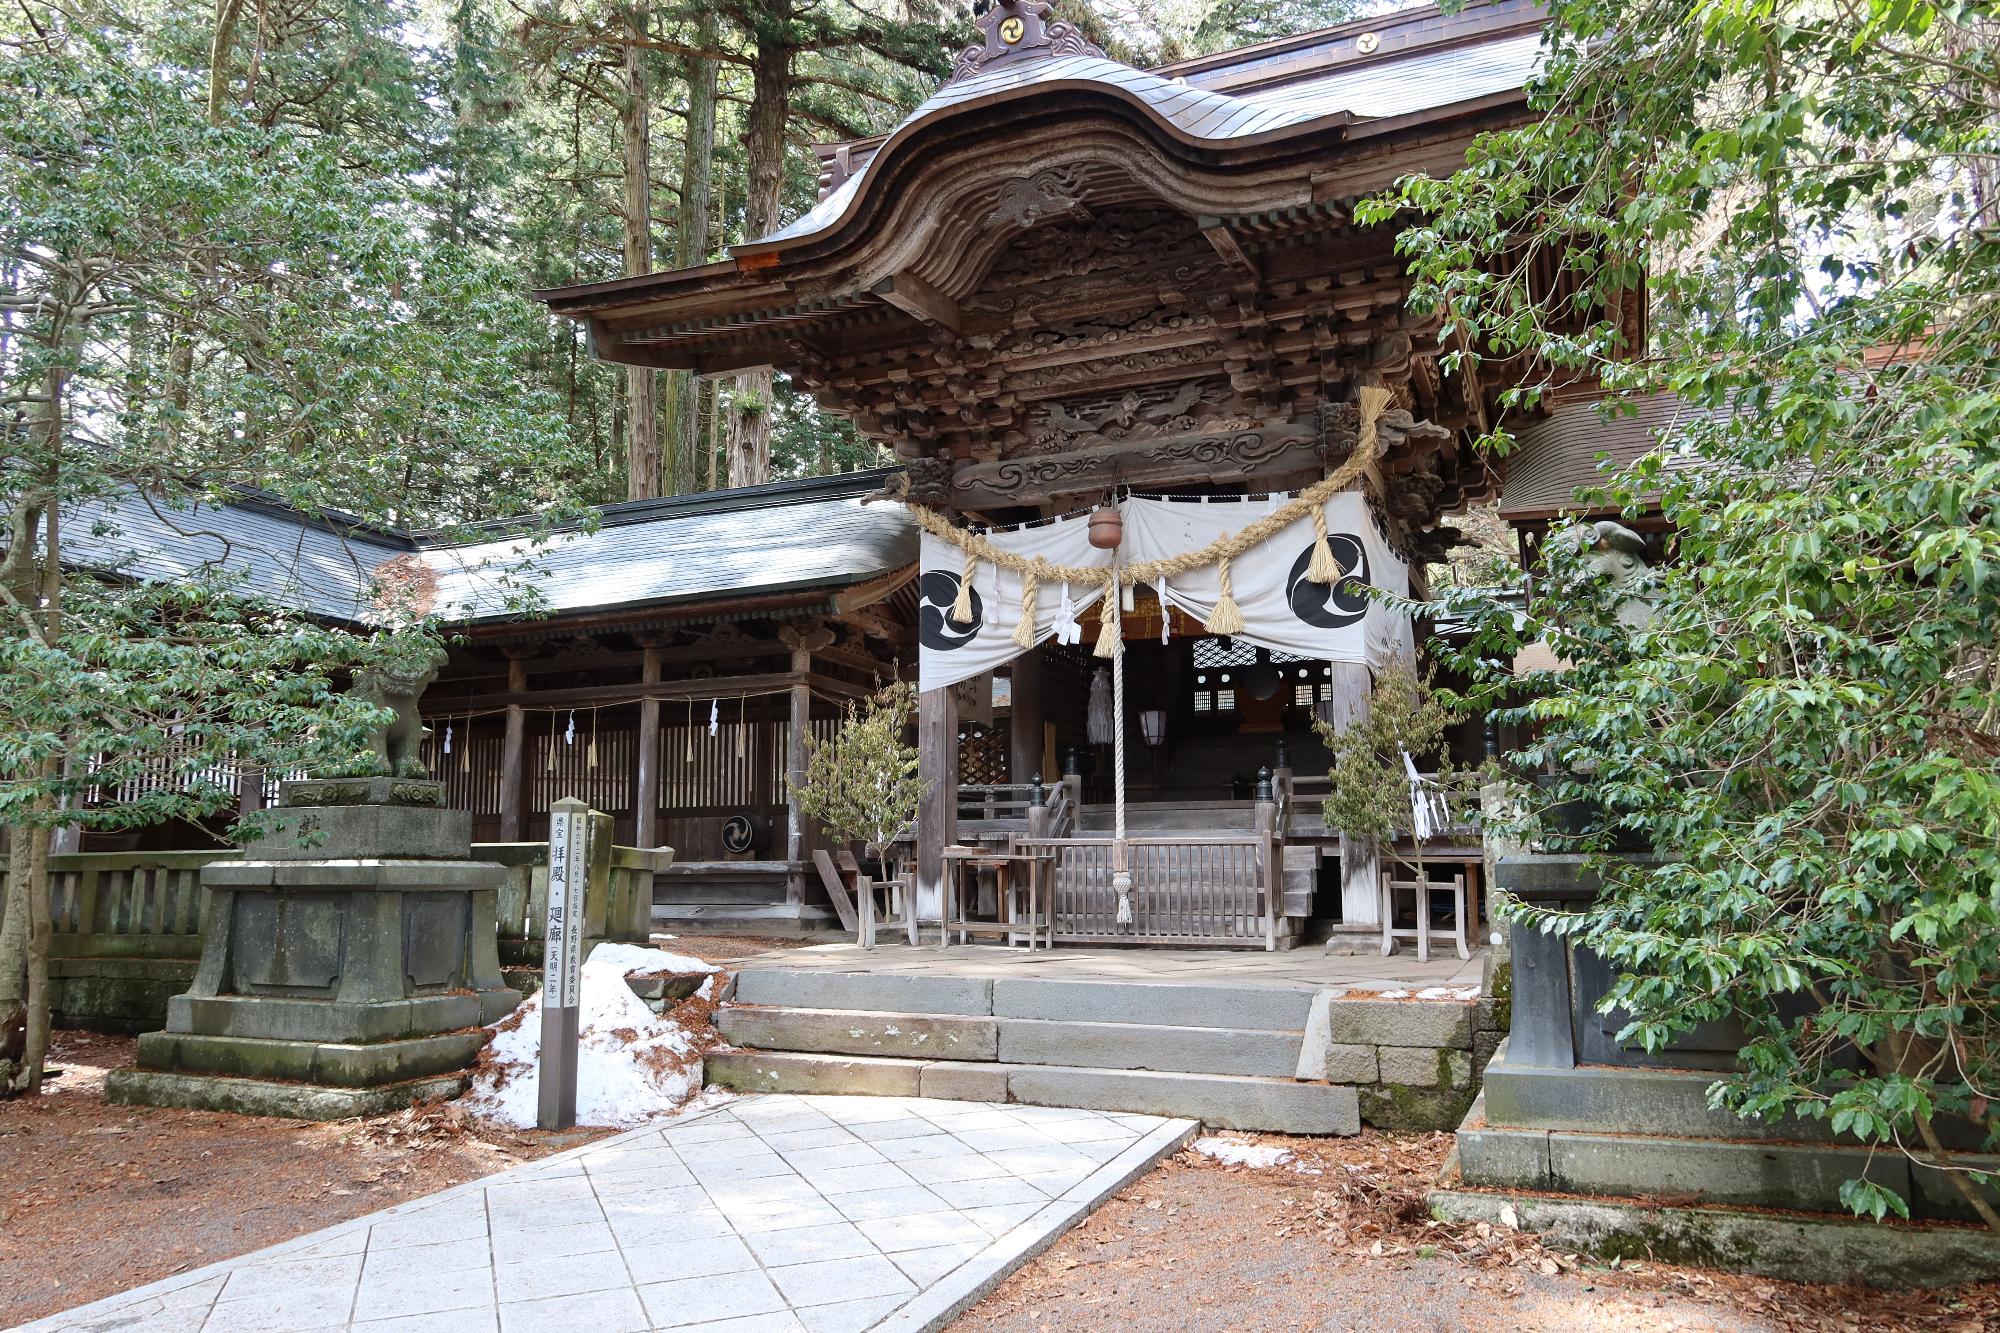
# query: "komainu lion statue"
396,683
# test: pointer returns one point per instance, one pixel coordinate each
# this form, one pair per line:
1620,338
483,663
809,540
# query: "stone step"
1019,1041
1234,1007
1261,1053
1230,1101
856,1032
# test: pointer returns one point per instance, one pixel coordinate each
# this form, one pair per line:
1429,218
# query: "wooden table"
1013,871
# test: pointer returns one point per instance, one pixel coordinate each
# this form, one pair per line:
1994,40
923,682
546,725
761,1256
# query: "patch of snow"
1231,1152
639,961
1392,995
632,1064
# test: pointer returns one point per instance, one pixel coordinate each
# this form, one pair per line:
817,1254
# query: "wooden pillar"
804,641
513,760
937,815
1024,726
646,782
249,790
1360,880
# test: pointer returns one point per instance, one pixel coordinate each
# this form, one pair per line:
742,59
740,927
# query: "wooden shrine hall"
1064,283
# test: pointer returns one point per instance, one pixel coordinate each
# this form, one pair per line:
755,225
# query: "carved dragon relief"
1247,456
1112,249
1051,192
1149,413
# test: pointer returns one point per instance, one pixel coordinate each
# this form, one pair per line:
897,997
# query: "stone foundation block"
885,992
1934,1194
1230,1102
1772,1175
849,1032
1794,1246
293,1101
1484,1044
963,1083
1424,1066
1401,1023
1351,1064
1241,1007
338,1065
783,1071
1504,1158
1190,1050
1401,1107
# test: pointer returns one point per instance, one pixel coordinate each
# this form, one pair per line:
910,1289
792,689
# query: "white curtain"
948,652
1282,608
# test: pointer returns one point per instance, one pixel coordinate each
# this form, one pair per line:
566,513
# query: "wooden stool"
1422,889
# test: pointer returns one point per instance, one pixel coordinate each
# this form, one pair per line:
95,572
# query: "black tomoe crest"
936,630
1340,603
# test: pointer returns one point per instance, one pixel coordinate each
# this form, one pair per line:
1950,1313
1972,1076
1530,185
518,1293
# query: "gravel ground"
1199,1247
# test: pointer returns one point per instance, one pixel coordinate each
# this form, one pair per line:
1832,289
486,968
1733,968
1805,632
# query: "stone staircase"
1253,1057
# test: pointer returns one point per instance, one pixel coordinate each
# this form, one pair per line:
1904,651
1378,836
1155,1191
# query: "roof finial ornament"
1020,30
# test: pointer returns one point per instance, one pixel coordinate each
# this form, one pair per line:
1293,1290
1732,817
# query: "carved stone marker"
348,967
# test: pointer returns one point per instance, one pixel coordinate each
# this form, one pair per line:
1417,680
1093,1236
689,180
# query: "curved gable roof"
1402,83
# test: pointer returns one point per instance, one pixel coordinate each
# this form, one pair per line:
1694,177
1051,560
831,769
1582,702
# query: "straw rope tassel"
961,607
1024,633
1324,568
1107,622
1227,617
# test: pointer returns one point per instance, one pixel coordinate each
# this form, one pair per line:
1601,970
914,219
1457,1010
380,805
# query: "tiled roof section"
1390,86
786,536
1424,81
321,566
761,540
1575,447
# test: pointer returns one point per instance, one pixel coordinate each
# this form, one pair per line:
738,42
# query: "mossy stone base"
340,1065
122,995
249,1096
1798,1247
1402,1107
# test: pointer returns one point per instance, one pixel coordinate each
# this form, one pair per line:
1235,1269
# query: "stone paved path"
774,1212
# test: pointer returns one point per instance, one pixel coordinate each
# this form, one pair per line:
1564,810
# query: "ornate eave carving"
1019,30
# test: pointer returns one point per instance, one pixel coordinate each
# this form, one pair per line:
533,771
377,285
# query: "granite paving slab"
824,1214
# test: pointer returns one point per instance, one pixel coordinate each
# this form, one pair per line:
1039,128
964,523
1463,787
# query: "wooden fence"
1221,891
112,912
127,904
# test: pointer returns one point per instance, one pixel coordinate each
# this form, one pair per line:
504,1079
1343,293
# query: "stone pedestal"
1568,1108
348,967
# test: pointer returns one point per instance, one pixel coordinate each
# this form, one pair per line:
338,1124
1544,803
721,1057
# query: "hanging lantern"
1107,527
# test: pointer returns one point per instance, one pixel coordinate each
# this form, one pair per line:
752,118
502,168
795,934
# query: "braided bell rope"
1034,569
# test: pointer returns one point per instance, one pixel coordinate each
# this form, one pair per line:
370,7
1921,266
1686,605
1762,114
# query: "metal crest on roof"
1015,30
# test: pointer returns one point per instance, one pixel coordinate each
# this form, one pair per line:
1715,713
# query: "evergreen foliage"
862,783
1807,731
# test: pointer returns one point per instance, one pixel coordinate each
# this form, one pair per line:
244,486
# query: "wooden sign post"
562,961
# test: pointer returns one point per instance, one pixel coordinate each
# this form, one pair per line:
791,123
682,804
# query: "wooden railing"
152,904
127,904
618,904
1002,807
1218,891
1461,803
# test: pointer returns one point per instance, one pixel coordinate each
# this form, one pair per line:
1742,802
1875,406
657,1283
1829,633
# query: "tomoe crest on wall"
936,630
1340,603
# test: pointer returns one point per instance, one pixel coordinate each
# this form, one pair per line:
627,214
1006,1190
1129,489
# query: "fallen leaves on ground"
1368,1198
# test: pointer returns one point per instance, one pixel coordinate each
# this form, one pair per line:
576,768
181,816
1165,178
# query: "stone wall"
1415,1064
